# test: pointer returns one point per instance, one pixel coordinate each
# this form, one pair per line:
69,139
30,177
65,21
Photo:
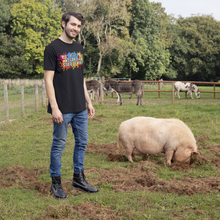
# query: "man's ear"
63,24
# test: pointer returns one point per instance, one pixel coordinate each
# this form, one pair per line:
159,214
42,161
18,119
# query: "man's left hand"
90,110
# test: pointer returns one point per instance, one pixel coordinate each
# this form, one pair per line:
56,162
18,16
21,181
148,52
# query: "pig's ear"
190,148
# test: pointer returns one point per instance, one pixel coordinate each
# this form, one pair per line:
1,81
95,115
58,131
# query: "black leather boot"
56,188
80,183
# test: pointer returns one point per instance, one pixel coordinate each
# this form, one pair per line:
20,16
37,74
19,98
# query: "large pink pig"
146,135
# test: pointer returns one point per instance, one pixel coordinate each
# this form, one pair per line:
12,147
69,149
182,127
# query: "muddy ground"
131,178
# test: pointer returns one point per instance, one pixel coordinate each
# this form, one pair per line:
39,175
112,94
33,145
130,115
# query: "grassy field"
146,189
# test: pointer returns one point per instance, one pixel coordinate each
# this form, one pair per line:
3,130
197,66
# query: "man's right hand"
57,116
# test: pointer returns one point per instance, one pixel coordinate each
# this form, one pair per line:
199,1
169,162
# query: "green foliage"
36,23
122,38
105,35
12,59
201,62
169,37
178,67
145,29
4,16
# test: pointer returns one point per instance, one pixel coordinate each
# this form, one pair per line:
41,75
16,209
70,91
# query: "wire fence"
208,89
20,97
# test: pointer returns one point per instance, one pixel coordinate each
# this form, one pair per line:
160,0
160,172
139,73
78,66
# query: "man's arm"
90,109
56,113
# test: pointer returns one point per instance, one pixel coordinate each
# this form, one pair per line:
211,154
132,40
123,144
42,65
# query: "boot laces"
58,186
84,178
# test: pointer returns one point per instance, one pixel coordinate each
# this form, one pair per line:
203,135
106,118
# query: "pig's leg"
130,158
134,158
136,152
129,153
169,156
128,146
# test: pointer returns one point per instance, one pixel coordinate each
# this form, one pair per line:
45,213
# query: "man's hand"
57,116
90,110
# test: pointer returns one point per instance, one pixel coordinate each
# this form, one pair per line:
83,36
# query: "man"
67,94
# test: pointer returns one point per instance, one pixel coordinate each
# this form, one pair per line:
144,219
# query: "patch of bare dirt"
147,180
27,179
23,177
111,151
96,212
117,158
212,148
83,211
201,141
101,149
216,161
196,160
216,150
142,176
202,138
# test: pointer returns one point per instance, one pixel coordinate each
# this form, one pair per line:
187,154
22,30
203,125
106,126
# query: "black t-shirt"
67,62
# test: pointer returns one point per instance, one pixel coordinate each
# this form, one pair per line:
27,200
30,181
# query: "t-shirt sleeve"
84,60
49,58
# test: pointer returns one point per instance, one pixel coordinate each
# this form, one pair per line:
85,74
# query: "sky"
188,7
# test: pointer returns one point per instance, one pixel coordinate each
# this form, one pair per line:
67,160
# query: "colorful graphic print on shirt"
70,60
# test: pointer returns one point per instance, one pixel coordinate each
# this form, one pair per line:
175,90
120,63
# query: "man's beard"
67,34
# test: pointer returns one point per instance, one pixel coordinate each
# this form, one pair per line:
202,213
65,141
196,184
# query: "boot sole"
84,190
55,196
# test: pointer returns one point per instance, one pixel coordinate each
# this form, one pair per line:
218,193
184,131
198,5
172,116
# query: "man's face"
72,28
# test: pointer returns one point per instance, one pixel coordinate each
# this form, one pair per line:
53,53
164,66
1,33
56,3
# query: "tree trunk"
99,63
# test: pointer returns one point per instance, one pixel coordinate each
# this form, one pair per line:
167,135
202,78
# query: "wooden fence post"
214,91
22,99
101,90
9,84
43,94
142,92
36,97
172,92
6,107
158,89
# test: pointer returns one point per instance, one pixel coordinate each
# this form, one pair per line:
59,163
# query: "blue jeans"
79,123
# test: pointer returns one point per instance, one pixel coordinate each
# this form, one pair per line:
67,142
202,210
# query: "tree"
202,34
169,37
4,16
109,26
178,53
145,30
36,23
12,61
